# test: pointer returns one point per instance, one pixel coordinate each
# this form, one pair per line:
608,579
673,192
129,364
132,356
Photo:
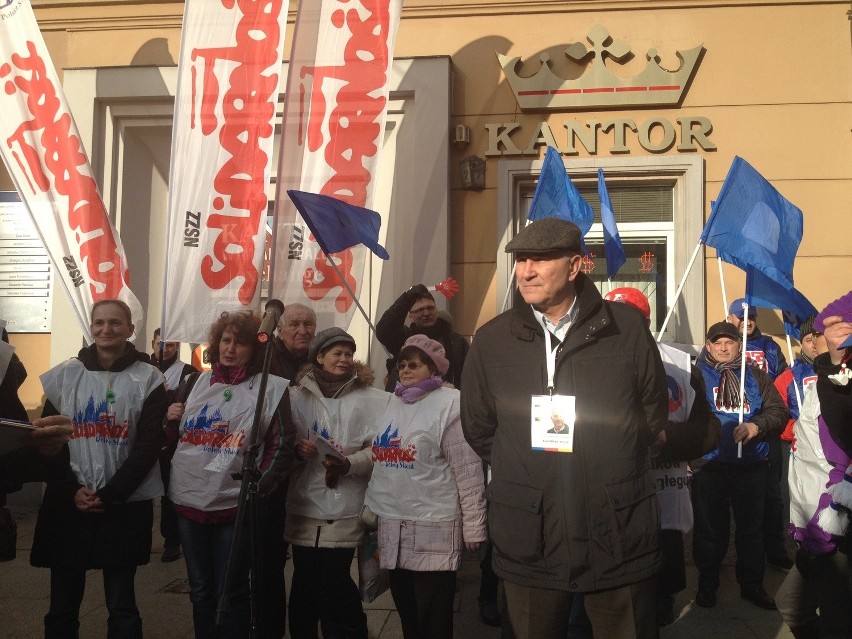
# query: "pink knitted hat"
432,349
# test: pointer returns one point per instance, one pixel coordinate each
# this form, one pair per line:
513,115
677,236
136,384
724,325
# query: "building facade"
660,94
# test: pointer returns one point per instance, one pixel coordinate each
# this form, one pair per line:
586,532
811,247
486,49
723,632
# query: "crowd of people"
595,448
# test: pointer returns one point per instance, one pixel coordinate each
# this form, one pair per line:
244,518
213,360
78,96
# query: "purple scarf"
410,394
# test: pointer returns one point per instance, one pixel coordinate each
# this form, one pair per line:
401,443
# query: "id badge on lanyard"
552,415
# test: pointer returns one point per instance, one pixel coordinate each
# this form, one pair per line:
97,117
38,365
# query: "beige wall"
776,81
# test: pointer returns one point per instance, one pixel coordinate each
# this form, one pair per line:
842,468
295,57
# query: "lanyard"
550,356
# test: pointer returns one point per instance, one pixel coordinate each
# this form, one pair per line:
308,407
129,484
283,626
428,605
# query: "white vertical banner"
43,153
334,118
222,142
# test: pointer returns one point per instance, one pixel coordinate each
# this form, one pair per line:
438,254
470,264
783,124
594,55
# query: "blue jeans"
206,548
66,593
717,490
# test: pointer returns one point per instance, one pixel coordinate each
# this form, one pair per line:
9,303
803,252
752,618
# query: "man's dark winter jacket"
392,333
581,521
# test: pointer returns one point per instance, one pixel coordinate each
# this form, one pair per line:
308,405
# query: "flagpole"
609,282
679,291
330,260
742,373
722,284
795,385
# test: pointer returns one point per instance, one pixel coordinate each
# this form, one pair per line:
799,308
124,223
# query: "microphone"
268,323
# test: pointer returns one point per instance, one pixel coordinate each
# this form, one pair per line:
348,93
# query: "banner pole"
354,299
722,284
742,374
795,385
679,291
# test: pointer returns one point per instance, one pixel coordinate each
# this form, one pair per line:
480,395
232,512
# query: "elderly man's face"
296,329
724,349
546,280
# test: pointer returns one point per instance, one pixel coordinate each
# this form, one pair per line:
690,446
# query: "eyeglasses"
422,310
412,366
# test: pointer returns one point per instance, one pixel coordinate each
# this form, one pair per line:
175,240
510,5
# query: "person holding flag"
726,481
760,350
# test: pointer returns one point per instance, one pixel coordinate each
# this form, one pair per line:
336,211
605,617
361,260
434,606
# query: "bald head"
297,327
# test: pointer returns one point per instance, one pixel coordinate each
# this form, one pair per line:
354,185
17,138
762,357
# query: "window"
658,204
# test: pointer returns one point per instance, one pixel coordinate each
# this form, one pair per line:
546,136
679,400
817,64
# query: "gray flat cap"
544,236
328,337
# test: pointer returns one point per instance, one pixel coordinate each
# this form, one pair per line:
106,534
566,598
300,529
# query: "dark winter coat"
120,536
581,521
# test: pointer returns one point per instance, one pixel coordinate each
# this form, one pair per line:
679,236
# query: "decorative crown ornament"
598,86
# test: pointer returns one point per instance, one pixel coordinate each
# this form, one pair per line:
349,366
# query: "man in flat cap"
734,475
568,522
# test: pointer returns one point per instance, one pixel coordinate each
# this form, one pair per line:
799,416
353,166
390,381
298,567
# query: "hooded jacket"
581,521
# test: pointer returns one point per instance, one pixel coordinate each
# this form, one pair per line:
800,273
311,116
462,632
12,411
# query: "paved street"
166,612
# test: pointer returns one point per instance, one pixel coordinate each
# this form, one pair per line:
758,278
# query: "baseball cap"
723,329
737,306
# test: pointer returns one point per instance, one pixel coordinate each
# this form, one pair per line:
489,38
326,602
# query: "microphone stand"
249,479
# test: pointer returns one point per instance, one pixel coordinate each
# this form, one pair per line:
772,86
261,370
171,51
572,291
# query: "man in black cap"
734,475
568,522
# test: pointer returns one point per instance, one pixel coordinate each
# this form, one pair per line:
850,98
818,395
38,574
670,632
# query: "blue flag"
338,225
556,196
755,224
764,292
613,248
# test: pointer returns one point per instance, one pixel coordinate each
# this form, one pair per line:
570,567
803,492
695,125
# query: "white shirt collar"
560,328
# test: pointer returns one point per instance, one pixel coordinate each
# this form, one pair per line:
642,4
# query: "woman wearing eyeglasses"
427,489
334,410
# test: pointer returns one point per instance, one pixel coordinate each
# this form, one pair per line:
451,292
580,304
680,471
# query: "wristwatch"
761,431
